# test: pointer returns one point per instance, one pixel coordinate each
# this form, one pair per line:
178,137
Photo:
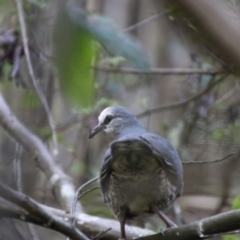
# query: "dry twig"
214,161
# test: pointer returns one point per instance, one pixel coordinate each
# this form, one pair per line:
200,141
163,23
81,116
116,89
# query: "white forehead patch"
104,113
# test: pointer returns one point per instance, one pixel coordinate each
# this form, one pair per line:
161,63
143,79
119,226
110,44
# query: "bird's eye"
108,119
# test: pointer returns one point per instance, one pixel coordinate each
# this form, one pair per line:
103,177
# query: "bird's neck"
133,129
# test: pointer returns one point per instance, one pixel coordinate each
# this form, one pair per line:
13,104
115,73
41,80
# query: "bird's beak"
96,130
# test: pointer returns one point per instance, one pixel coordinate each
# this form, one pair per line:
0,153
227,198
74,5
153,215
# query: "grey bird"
141,172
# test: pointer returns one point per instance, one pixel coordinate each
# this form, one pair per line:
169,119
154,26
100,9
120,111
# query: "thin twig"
88,191
214,161
32,75
18,167
78,196
180,103
145,21
79,191
160,71
102,233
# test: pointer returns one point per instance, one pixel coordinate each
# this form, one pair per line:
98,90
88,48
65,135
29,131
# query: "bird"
141,172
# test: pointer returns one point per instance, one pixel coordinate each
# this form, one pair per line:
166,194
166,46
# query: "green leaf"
74,53
114,41
236,203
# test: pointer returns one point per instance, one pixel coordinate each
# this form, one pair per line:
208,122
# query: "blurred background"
149,56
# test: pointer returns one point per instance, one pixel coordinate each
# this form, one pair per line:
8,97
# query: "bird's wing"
105,173
168,157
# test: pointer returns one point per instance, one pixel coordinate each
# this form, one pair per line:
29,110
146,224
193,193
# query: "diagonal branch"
90,225
33,208
181,103
61,183
145,21
212,17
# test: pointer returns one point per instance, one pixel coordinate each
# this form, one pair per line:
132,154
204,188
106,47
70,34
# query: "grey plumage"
141,172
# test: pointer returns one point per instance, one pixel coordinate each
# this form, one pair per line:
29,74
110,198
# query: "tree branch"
90,225
61,183
223,223
213,161
160,71
181,103
38,212
228,222
212,17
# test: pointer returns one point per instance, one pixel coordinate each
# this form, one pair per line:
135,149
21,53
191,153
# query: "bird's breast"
138,182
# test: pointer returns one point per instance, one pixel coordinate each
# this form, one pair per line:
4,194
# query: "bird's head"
116,121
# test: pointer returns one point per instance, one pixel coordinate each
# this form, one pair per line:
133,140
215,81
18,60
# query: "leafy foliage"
115,42
74,53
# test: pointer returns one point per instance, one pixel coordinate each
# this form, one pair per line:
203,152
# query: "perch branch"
228,222
33,208
88,224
